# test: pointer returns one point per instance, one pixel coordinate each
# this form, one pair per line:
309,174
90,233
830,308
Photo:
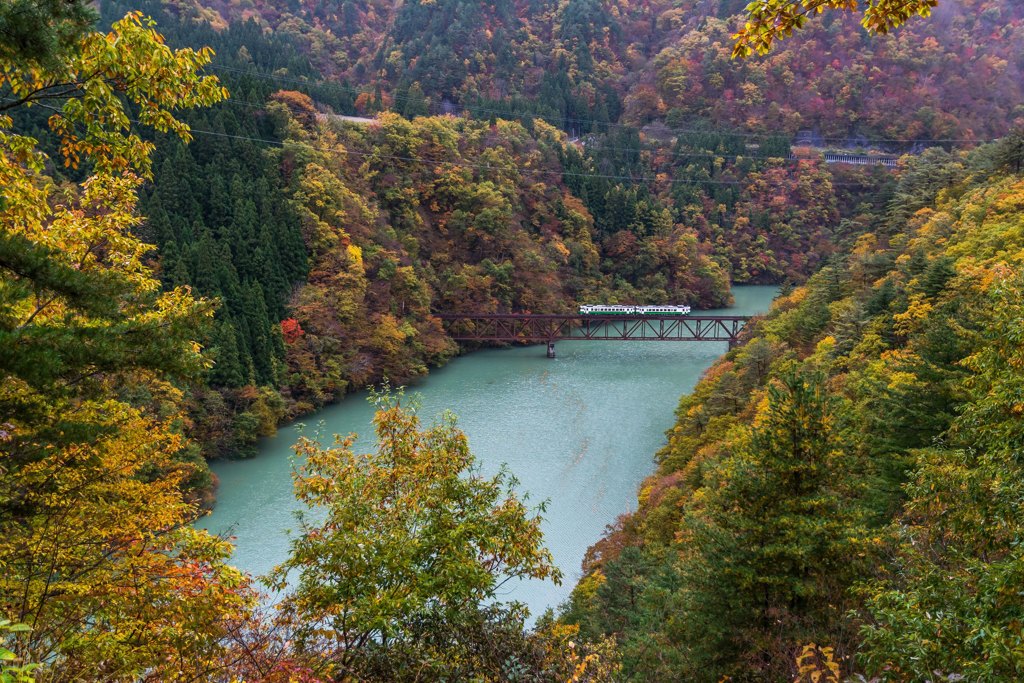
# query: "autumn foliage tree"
950,602
96,557
402,553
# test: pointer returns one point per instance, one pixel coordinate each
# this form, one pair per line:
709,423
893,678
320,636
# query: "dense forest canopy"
199,242
848,475
584,64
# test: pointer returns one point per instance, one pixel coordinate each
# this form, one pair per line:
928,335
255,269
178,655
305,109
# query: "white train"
603,309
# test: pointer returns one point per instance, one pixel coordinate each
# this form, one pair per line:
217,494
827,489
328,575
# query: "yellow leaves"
817,665
131,60
762,411
92,231
825,346
388,331
355,253
562,250
24,190
865,245
95,501
410,524
771,20
795,298
901,381
589,584
918,309
99,479
591,663
644,495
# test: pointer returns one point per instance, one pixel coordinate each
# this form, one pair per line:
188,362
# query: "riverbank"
579,431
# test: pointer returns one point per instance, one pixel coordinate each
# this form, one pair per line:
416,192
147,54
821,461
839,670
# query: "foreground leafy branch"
771,20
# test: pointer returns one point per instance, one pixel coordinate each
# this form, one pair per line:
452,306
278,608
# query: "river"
579,431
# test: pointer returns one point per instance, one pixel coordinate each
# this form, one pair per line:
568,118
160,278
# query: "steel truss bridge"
529,328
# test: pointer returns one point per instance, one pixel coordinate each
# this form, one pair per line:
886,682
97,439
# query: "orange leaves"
363,103
110,517
291,330
299,104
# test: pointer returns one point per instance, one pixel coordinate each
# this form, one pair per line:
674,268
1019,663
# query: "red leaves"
291,330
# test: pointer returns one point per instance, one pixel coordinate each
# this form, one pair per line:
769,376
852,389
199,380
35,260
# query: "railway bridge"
547,329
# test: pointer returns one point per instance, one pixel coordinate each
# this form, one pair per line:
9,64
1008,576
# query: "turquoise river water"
579,431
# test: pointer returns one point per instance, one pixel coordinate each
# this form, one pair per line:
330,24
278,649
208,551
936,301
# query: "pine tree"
770,553
1010,152
38,32
254,308
227,369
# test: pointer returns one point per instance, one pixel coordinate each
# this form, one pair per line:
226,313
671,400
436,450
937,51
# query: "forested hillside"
443,215
584,63
331,250
198,244
102,575
634,211
955,76
848,477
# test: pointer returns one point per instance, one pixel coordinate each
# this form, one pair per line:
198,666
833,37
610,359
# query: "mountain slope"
848,477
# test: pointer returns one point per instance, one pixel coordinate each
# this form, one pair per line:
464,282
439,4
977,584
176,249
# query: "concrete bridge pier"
551,349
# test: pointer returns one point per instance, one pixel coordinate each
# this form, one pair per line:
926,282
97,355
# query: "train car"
663,310
605,309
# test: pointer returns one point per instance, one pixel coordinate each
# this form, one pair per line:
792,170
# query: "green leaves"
36,32
84,90
10,670
952,603
407,533
774,538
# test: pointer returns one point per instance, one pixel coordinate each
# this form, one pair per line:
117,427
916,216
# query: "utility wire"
463,163
651,149
479,166
514,115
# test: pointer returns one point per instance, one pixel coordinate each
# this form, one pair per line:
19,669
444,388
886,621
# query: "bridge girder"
529,328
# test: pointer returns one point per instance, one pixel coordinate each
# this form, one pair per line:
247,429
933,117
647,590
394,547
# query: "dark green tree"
38,32
769,555
1010,152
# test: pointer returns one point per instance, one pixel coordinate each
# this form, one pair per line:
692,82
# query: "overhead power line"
591,122
650,148
462,162
653,149
479,166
